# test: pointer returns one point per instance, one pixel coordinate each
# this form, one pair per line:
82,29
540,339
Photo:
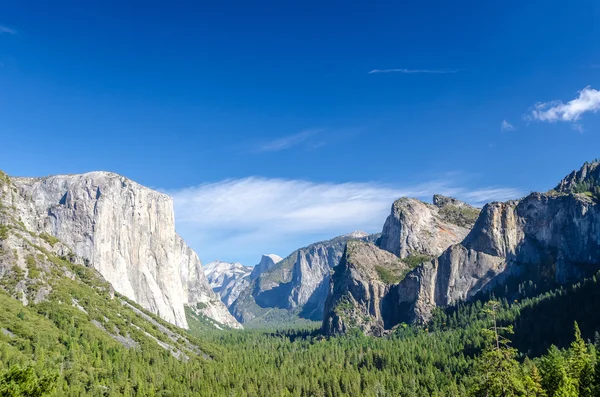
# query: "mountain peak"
442,201
586,179
357,234
267,261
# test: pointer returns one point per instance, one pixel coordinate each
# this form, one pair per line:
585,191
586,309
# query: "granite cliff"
127,233
362,293
418,228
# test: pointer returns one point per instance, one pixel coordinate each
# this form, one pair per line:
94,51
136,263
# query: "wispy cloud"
4,29
506,126
241,219
414,71
587,101
287,142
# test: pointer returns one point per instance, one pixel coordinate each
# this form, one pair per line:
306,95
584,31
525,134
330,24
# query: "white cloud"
243,218
4,29
286,142
587,101
412,71
506,126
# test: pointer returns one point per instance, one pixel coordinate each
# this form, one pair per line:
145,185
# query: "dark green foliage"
589,187
442,360
17,382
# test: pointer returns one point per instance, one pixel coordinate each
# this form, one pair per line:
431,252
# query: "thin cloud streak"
506,126
415,71
4,29
246,217
587,101
286,142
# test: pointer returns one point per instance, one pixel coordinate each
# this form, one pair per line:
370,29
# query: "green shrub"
49,239
386,275
415,260
3,232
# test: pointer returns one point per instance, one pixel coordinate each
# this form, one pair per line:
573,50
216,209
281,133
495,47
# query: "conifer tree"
497,372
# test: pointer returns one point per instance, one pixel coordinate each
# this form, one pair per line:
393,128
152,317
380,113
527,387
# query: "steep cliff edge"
127,233
418,228
362,291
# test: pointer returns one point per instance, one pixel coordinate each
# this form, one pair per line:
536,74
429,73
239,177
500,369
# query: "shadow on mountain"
313,308
273,298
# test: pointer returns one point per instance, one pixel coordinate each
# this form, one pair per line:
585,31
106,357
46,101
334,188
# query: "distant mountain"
266,263
123,230
227,279
295,287
545,239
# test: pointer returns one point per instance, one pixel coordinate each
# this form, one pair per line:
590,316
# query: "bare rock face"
551,238
127,233
299,283
227,279
363,291
418,228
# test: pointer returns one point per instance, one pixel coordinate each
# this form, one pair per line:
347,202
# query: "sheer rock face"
418,228
300,282
361,296
227,279
550,238
127,232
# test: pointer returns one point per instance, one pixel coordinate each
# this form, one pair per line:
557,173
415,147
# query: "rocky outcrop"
586,179
227,279
418,228
548,238
363,291
299,283
266,263
127,233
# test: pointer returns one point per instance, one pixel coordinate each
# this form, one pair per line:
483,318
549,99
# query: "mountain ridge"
549,238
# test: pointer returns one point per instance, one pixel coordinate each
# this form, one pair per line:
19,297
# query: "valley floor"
56,348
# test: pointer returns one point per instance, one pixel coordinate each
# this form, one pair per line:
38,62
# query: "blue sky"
274,124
